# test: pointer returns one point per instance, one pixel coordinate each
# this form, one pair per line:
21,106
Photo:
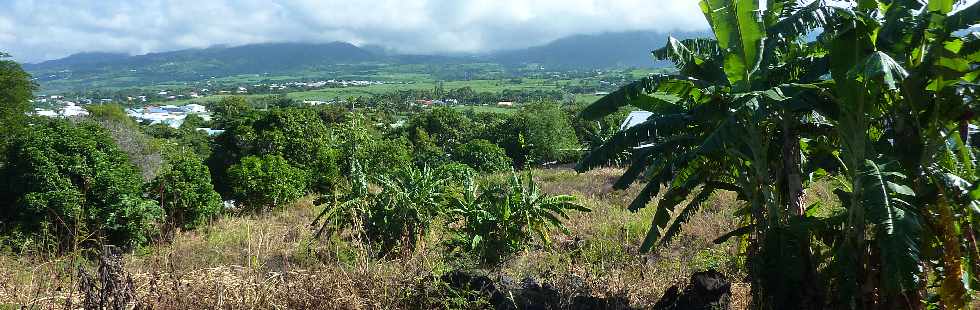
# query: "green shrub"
297,135
377,155
186,136
383,155
184,190
483,156
229,110
16,92
426,152
260,183
403,212
68,185
448,127
456,173
496,224
398,215
539,134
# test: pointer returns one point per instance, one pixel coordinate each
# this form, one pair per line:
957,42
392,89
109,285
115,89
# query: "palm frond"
686,213
804,20
664,84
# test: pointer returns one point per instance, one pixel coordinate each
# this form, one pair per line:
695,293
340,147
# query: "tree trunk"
952,293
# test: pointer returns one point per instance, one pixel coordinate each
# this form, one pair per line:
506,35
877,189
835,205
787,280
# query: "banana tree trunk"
952,291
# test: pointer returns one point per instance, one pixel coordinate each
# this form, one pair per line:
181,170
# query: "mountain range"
625,49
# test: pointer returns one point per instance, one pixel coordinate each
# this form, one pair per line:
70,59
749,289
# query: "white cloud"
34,30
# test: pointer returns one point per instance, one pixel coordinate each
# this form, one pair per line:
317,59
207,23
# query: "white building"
45,112
194,108
72,110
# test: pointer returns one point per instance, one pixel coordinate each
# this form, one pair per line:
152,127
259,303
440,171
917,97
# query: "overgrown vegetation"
880,101
824,148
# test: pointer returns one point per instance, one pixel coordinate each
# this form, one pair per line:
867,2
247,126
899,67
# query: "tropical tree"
483,155
16,91
731,118
68,186
184,190
903,79
261,183
397,215
877,100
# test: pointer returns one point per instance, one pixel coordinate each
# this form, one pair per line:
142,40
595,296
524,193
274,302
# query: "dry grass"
270,261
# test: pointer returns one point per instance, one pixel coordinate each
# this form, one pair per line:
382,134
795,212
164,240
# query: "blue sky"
36,30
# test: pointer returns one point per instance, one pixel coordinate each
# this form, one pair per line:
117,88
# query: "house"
72,110
45,113
505,104
194,108
315,102
211,132
635,118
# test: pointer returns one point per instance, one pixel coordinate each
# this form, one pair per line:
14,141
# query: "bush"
184,191
496,224
297,135
399,215
16,92
143,151
539,134
483,156
405,208
229,110
186,136
376,154
65,185
447,126
427,153
260,183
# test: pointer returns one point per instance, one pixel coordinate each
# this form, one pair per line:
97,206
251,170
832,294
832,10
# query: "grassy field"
272,261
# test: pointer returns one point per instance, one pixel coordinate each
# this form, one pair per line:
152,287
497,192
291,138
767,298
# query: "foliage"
592,133
185,136
68,186
143,151
403,211
111,113
193,122
228,110
296,135
426,152
874,100
483,155
456,173
399,215
448,127
539,134
269,181
16,92
500,222
356,140
184,190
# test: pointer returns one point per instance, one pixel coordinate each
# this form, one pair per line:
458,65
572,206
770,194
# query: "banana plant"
732,118
900,71
499,222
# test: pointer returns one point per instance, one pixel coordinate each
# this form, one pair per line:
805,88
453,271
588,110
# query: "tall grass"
273,261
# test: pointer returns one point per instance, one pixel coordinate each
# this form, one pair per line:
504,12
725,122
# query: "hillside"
327,60
625,49
103,69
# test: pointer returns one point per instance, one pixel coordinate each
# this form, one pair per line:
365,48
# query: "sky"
37,30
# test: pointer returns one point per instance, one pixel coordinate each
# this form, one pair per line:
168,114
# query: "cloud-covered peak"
35,30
